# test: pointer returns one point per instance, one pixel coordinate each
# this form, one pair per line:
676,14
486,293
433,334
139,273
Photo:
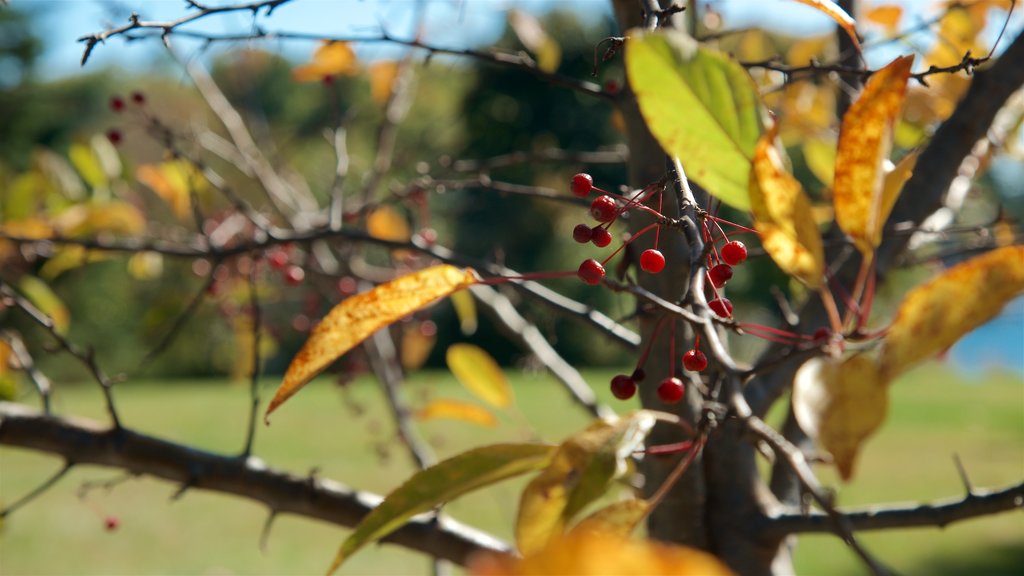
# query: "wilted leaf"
619,519
88,165
382,77
839,404
886,15
447,409
595,554
864,145
479,373
934,315
330,59
701,106
580,472
441,483
465,309
783,216
833,11
359,316
43,297
387,224
531,33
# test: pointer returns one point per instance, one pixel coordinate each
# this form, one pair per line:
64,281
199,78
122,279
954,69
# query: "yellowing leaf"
934,315
619,519
68,258
465,309
444,408
820,156
91,218
330,59
839,404
46,300
783,216
892,186
359,316
441,483
887,15
702,107
387,224
864,145
416,347
28,228
173,182
595,554
833,11
531,33
580,472
479,373
382,77
802,51
87,165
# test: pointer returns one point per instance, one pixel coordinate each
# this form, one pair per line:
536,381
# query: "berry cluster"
119,105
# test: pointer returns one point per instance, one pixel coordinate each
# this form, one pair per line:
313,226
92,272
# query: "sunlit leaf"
416,347
441,483
46,300
25,194
330,59
887,16
387,223
934,315
581,471
465,309
833,11
839,403
382,76
702,107
28,228
88,165
448,409
479,373
820,156
865,142
359,316
783,216
531,33
619,519
804,50
891,188
597,554
173,181
91,218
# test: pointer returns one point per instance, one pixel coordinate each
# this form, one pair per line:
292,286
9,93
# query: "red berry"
117,103
721,306
719,275
671,390
347,286
591,271
604,208
612,87
623,387
138,97
734,252
652,261
278,259
582,184
822,335
600,237
294,275
328,79
114,135
638,375
111,523
695,361
582,233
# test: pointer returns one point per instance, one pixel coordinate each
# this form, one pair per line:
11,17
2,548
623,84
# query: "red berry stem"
866,303
672,349
531,276
773,334
643,231
664,449
654,336
716,220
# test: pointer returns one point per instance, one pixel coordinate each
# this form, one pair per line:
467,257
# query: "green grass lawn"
347,436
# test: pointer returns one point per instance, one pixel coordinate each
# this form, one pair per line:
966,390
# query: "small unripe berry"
294,275
695,361
582,233
671,390
582,184
652,261
623,387
600,237
719,275
604,208
734,252
591,271
721,306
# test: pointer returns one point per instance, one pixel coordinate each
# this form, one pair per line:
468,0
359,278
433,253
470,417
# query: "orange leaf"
934,315
886,15
595,554
839,404
833,11
357,317
479,373
444,408
865,141
382,77
783,215
387,224
330,59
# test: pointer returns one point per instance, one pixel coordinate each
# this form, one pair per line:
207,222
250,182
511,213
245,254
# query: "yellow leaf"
416,347
172,182
934,315
833,11
802,51
783,215
887,16
382,77
443,408
359,316
479,373
68,258
88,165
594,554
619,519
28,228
864,145
387,224
330,59
465,309
91,218
531,33
839,404
46,300
891,188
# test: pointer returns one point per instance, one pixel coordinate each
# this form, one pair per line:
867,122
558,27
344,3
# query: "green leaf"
88,165
44,298
440,483
702,107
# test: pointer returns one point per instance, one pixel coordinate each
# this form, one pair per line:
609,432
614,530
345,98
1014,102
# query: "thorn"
963,475
265,532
